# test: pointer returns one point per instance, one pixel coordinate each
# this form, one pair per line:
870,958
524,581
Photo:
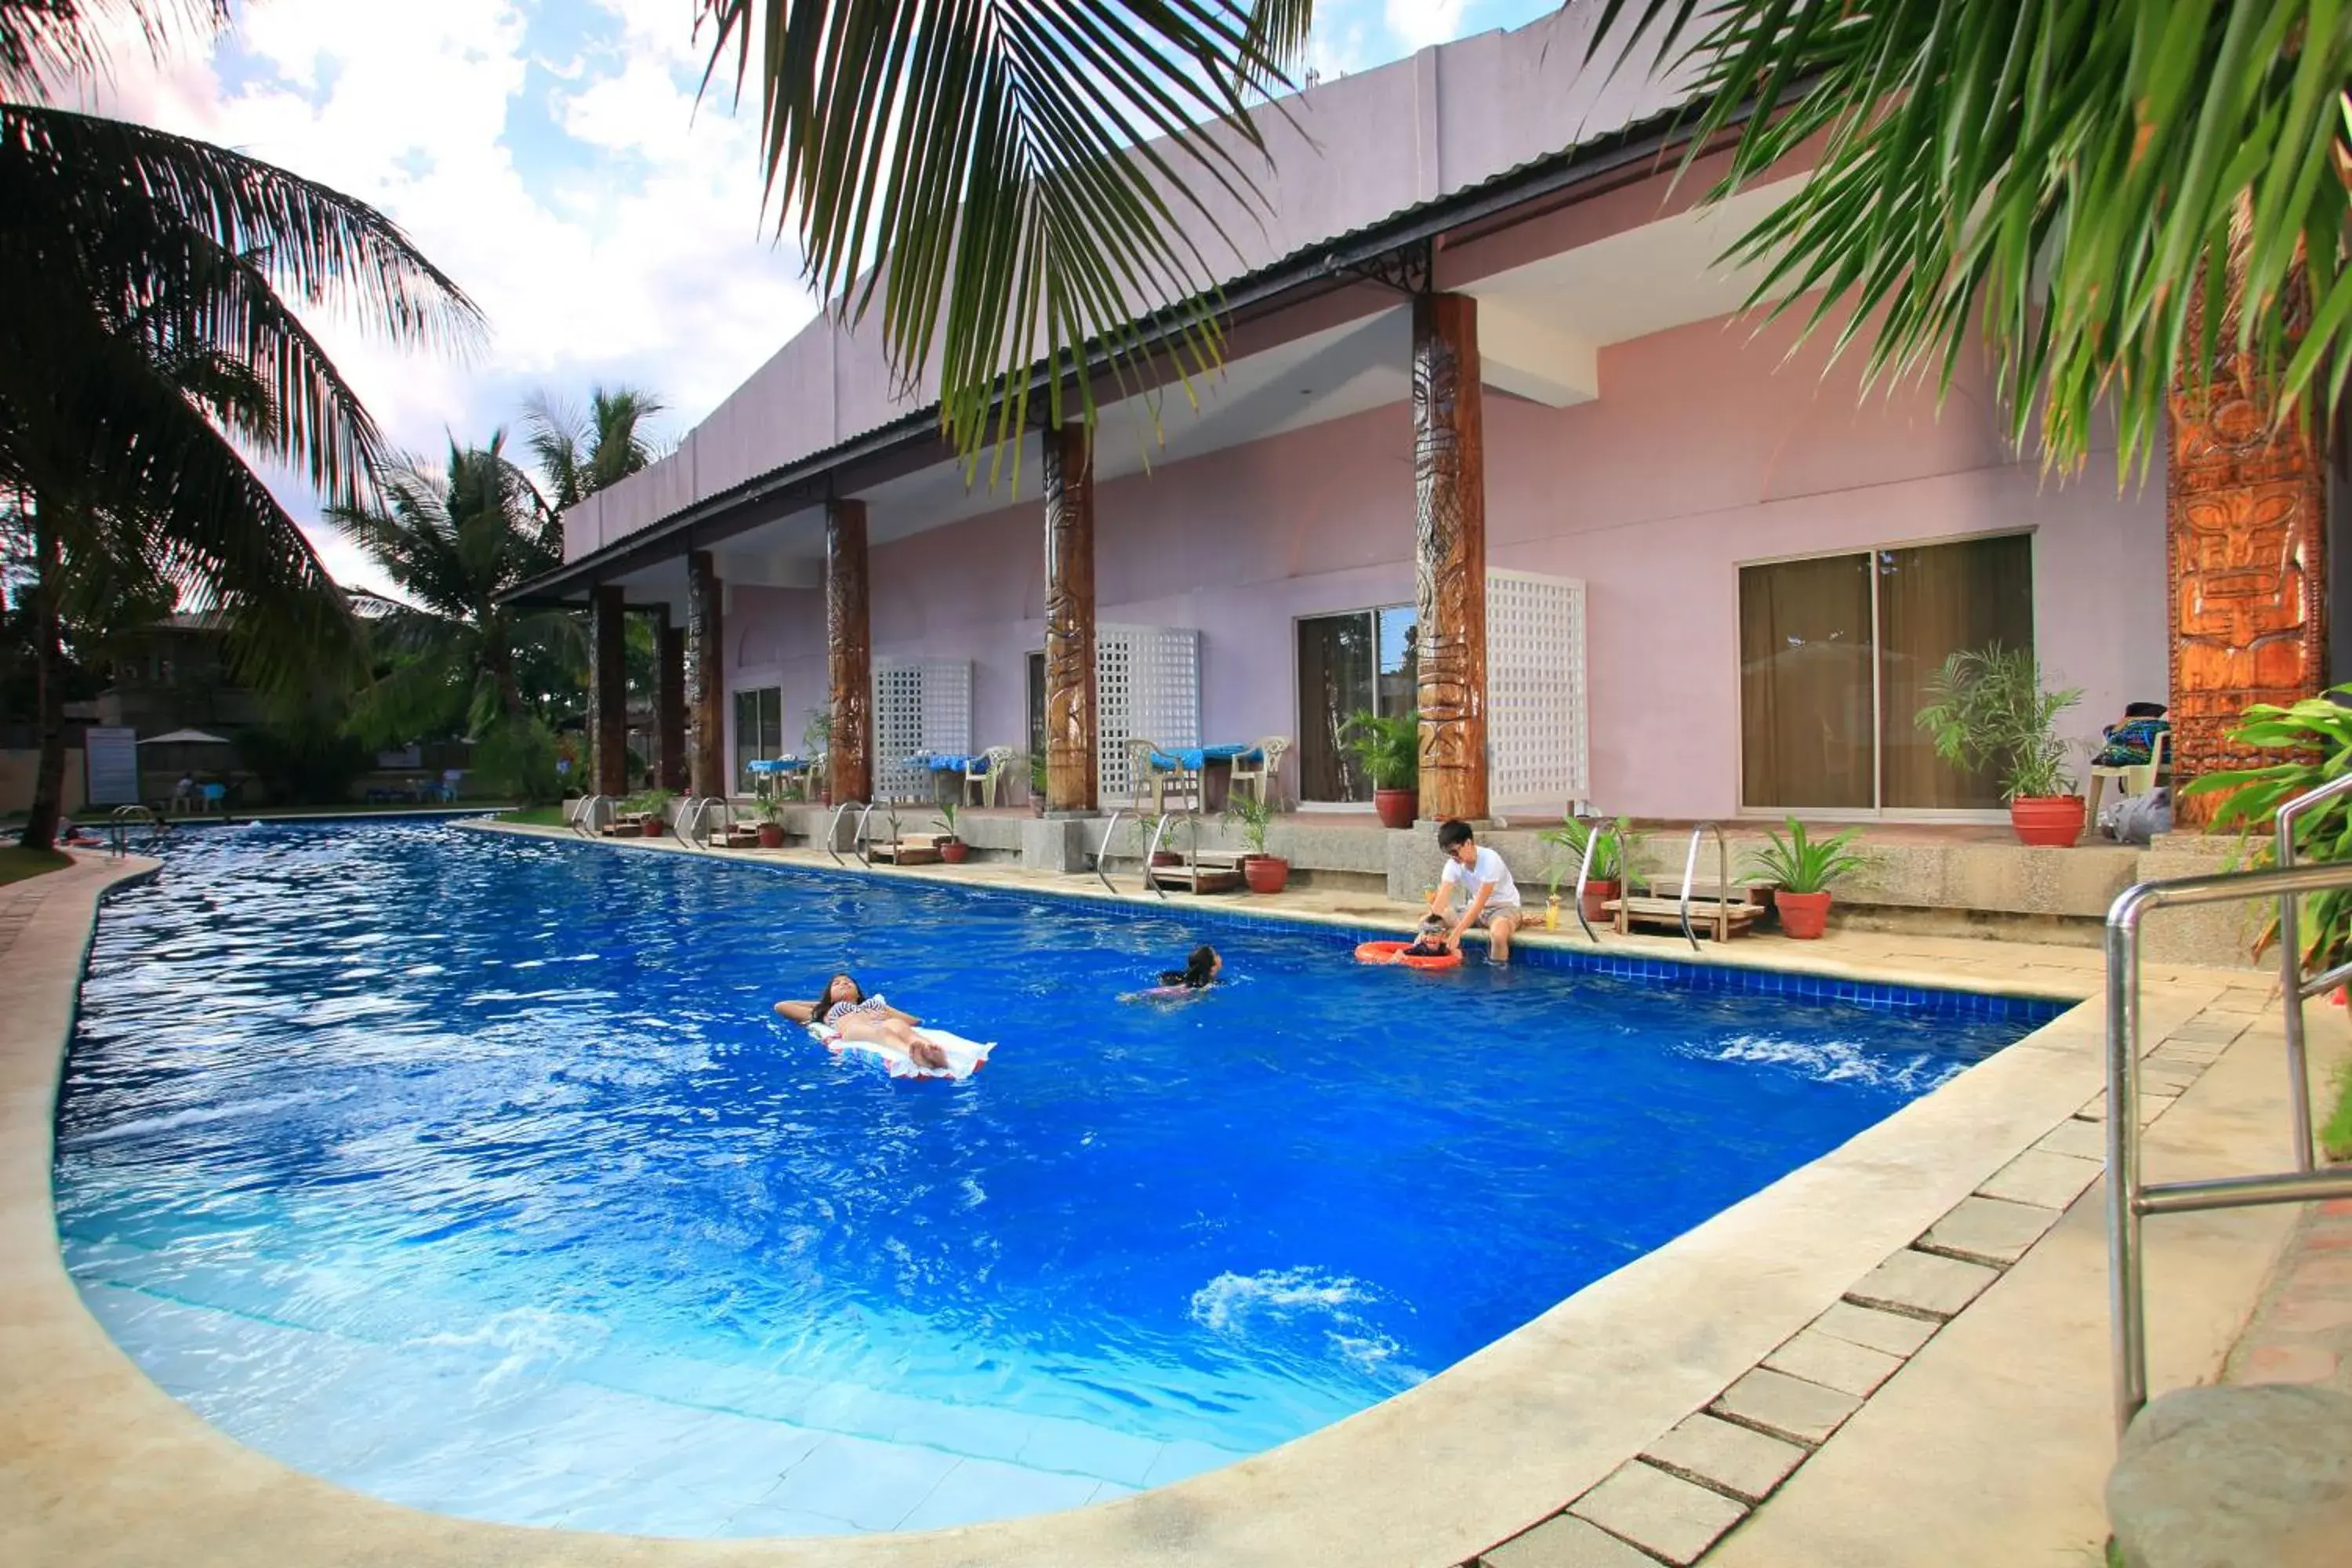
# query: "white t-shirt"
1487,870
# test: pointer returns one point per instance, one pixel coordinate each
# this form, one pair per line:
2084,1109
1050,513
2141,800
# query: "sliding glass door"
759,732
1349,663
1835,655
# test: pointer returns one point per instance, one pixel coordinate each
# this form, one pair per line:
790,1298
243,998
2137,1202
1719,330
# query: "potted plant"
2313,741
1612,856
1801,868
816,740
952,849
653,805
1037,784
1265,872
1389,750
1987,707
771,823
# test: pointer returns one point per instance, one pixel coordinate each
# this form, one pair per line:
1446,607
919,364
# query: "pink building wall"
1705,450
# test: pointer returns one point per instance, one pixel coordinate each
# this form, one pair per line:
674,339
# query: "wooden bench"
1206,871
908,849
1722,915
736,836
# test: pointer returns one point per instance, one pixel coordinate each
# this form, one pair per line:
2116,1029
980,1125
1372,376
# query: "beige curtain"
1932,602
1807,730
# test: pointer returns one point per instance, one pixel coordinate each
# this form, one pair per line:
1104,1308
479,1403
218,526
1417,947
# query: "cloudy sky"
549,154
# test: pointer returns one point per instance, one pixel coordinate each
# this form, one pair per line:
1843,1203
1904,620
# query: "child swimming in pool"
1200,971
845,1009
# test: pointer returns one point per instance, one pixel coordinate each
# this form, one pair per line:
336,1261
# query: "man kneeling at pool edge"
1493,897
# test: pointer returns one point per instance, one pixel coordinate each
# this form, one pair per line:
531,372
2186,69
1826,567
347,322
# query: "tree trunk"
50,776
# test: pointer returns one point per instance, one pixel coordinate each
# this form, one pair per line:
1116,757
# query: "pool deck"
1888,1403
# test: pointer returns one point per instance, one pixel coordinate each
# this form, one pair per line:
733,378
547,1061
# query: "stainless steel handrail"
1110,829
585,818
1584,870
857,840
122,820
692,817
2129,1199
1152,850
2292,984
832,827
1690,870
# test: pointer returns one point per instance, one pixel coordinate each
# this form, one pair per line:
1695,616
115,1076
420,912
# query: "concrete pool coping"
98,1465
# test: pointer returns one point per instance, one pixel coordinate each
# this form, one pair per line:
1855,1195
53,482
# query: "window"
1347,663
759,732
1037,704
1835,655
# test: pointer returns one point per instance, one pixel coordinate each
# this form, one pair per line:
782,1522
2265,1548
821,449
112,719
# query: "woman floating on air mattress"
846,1019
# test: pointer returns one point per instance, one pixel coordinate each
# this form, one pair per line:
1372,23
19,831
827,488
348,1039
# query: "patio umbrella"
185,738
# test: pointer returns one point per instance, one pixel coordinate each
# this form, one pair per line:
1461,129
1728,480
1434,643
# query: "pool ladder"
583,820
124,819
2129,1197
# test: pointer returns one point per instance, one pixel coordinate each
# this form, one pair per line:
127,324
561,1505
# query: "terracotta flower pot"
1597,894
954,851
2051,821
654,827
772,836
1397,808
1265,873
1803,916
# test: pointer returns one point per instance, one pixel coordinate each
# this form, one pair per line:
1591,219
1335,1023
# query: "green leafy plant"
1803,864
2313,740
1987,707
648,802
816,734
1617,850
1390,749
768,808
945,820
517,756
1255,816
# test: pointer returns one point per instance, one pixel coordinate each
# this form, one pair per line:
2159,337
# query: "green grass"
16,862
2336,1133
535,816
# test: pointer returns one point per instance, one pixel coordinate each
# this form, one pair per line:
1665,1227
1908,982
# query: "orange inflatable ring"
1394,953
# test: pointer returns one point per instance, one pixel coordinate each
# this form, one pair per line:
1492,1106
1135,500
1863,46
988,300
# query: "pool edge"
101,1466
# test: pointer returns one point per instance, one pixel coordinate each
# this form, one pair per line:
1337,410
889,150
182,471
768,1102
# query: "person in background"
1492,897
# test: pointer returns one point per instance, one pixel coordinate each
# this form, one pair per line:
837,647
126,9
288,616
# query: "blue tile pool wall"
2032,1012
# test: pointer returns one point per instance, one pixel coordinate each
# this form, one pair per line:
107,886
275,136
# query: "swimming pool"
476,1173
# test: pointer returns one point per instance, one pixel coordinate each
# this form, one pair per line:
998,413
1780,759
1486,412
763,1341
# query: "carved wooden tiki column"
1070,727
1449,462
2245,511
608,693
706,678
669,702
849,651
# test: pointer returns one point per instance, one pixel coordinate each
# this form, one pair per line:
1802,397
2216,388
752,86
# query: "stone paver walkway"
2302,1332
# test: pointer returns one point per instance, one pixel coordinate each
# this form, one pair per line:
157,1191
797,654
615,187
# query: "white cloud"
642,258
1418,24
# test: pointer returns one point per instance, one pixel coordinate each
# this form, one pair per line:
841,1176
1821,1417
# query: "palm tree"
1000,160
2061,175
147,347
578,457
2073,181
453,543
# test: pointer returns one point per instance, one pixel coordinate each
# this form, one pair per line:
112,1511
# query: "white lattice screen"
1537,734
1148,683
919,705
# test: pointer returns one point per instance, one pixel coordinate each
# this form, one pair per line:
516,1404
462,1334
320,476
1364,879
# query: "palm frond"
47,44
2060,177
190,245
987,171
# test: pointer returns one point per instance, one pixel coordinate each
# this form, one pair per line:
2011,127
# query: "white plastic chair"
1266,768
2138,778
983,783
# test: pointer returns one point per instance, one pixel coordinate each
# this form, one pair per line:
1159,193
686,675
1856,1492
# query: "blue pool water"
477,1174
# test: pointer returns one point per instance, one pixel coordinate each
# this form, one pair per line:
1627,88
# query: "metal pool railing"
2130,1199
1722,878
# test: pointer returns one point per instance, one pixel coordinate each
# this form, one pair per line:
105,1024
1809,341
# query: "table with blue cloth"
1195,760
767,772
